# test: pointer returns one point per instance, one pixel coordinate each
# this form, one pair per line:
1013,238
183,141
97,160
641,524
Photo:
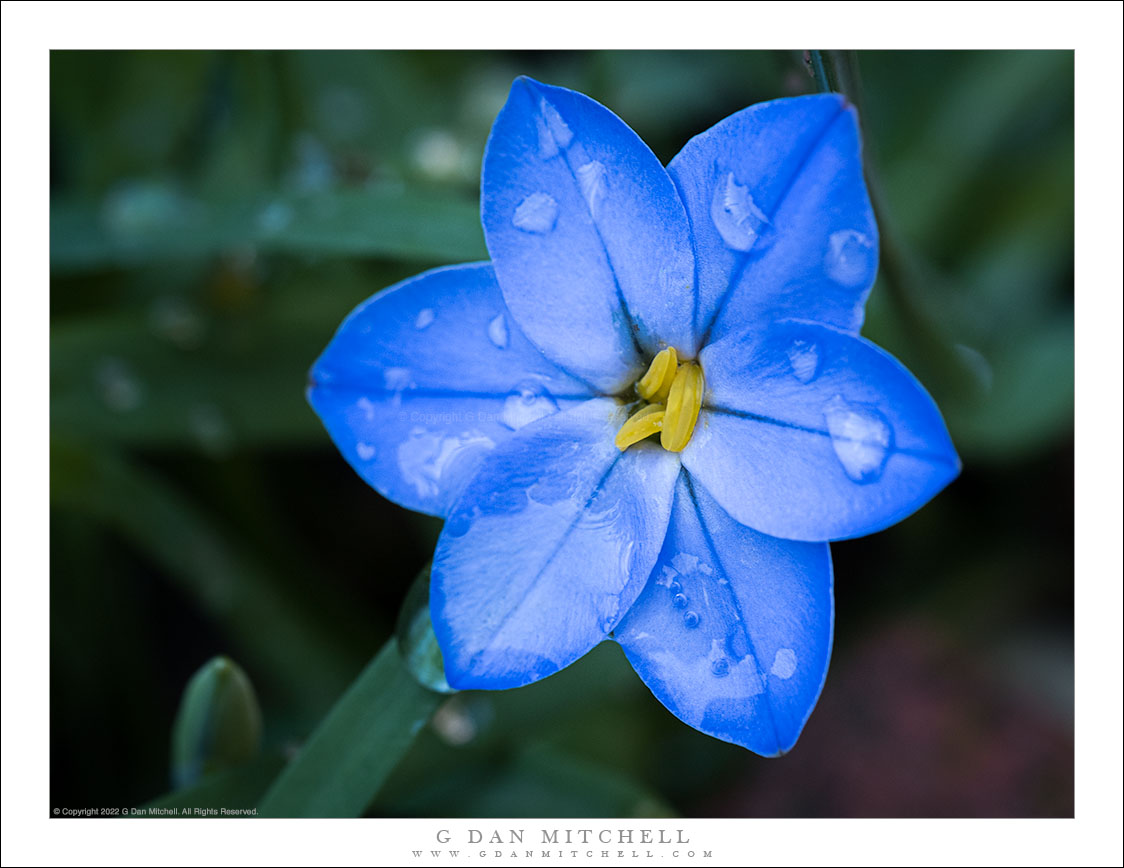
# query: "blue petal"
588,236
548,547
810,433
733,630
425,378
780,216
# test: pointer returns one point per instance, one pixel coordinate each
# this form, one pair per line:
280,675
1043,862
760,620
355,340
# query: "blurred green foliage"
214,216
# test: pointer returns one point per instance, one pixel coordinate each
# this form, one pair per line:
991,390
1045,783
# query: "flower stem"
933,356
349,756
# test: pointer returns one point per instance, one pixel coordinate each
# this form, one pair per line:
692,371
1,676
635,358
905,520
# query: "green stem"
816,65
934,358
357,745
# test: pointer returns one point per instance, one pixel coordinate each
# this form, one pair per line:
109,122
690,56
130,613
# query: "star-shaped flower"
646,416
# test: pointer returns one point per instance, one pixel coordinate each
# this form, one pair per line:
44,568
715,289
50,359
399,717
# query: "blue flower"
715,303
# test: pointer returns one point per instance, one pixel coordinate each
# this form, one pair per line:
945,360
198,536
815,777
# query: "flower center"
672,393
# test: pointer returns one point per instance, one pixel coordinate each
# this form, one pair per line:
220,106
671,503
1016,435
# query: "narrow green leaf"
348,757
233,789
1029,403
538,782
238,385
272,631
157,221
218,725
933,183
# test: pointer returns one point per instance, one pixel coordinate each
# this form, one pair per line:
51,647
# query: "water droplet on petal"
425,457
497,331
536,214
591,180
528,403
674,588
691,620
737,218
720,667
368,408
851,258
426,316
553,131
861,437
365,451
397,380
679,601
784,663
805,360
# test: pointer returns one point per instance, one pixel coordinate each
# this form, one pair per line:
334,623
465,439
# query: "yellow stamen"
643,423
683,403
655,385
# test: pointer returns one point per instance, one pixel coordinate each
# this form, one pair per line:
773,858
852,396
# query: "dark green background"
213,218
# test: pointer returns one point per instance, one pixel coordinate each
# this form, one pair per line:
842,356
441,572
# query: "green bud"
218,724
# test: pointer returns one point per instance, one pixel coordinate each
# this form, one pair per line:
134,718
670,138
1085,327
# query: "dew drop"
784,663
720,667
691,620
367,406
851,258
454,724
861,437
978,364
397,379
674,588
365,451
497,331
591,180
211,429
737,218
438,154
135,209
426,316
805,360
426,457
536,214
553,131
176,321
527,404
275,217
679,601
120,389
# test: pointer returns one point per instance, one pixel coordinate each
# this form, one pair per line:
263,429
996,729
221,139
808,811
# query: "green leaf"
1030,401
984,100
272,630
538,782
237,788
343,765
218,725
153,221
235,384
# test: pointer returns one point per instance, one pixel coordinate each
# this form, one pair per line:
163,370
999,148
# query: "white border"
29,30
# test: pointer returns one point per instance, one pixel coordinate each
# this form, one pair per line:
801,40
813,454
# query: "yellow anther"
645,422
655,384
683,403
